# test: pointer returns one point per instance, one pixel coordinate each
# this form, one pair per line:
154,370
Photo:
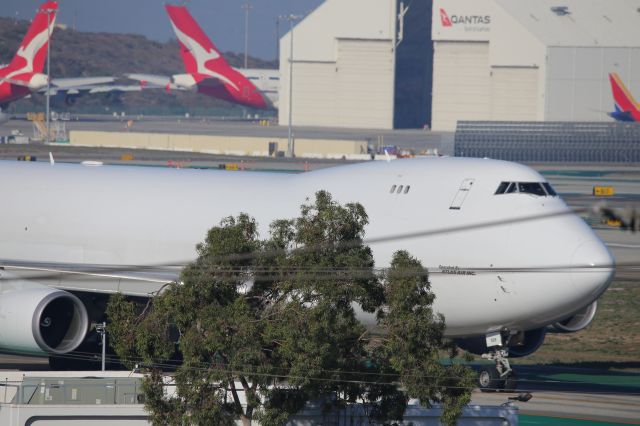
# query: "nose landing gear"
500,377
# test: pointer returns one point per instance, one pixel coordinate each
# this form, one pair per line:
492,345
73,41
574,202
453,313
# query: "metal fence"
613,142
64,391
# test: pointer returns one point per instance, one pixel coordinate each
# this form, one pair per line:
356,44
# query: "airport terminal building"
407,64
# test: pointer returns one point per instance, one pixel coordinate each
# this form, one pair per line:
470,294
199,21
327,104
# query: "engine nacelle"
577,321
38,81
40,320
185,81
70,99
522,344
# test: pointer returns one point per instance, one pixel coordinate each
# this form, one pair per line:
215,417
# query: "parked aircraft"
507,258
207,72
626,107
24,74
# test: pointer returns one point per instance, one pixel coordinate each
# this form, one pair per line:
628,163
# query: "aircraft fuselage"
489,267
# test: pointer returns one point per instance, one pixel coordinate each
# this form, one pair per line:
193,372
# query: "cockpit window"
549,189
502,188
539,189
534,188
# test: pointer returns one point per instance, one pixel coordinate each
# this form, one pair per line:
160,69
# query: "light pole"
247,7
101,329
278,38
278,20
48,11
290,148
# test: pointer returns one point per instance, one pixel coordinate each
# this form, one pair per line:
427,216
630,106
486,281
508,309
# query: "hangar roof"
585,23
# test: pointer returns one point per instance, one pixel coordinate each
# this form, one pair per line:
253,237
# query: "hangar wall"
577,86
460,83
498,60
461,74
343,66
530,61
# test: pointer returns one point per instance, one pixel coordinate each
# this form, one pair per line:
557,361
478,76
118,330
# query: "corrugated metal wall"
514,93
314,89
461,83
356,91
365,70
577,87
561,142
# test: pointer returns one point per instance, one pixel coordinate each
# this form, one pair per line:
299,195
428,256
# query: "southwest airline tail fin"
626,107
32,53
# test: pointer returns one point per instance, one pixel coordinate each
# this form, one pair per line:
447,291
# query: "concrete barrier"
215,144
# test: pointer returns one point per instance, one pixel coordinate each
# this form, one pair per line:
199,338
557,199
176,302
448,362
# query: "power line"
245,369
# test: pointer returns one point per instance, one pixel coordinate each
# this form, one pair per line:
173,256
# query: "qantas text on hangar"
463,19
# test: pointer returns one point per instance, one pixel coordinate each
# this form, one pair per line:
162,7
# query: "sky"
222,20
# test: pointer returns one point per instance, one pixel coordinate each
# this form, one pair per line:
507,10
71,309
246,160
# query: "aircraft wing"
78,82
130,280
155,80
65,83
89,90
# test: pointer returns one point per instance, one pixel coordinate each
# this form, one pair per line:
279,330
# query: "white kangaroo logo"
29,51
201,55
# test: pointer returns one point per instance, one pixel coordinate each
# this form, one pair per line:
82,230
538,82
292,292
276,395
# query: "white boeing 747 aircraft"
507,258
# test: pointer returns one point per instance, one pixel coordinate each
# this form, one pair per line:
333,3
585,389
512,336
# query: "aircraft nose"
593,267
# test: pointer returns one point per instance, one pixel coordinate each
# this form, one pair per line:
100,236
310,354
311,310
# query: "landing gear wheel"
489,380
511,382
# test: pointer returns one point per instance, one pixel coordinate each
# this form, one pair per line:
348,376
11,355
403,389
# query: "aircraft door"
462,193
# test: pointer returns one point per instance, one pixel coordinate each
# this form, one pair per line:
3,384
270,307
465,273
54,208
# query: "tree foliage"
274,322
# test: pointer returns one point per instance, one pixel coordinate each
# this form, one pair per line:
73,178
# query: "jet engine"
522,344
63,100
40,320
577,321
70,99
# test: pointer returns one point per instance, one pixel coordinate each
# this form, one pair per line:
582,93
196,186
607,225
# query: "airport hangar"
370,64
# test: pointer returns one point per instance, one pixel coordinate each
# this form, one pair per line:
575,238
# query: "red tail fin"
198,53
31,55
205,66
623,98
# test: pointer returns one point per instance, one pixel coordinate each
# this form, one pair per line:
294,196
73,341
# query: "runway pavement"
577,393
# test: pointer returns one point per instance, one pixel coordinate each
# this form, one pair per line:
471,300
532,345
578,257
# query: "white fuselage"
513,274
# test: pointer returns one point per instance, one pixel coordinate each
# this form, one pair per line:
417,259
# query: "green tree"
274,321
